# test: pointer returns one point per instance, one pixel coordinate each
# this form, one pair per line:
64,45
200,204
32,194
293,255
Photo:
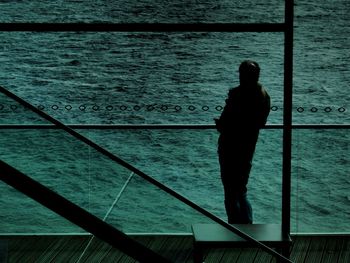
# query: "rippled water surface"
172,78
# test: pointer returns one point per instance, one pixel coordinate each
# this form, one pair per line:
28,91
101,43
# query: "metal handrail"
151,180
287,115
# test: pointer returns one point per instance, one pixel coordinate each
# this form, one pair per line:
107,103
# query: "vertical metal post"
287,116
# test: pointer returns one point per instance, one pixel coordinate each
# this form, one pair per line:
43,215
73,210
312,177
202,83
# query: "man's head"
249,72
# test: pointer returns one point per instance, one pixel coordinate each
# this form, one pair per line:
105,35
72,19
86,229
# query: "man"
245,112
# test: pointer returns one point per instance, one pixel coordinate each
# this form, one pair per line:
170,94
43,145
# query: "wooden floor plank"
144,240
247,255
18,248
3,250
214,255
114,255
39,246
66,249
300,248
345,251
96,251
157,243
182,250
263,257
54,249
170,247
69,249
231,255
125,259
332,251
316,248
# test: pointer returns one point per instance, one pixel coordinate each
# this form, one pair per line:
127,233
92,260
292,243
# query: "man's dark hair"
249,71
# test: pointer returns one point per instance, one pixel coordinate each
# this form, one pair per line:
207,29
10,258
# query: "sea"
175,78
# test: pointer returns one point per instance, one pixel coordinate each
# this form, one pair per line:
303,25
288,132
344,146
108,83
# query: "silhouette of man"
246,110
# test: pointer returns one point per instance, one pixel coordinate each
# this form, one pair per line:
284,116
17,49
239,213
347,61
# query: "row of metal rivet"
176,108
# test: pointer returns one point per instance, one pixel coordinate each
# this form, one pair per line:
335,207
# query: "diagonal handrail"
77,215
143,175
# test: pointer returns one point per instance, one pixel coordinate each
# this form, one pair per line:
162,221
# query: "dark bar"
164,126
77,215
142,27
287,116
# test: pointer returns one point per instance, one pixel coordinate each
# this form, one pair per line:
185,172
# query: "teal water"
172,78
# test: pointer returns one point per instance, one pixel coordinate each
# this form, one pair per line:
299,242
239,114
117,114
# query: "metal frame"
142,27
287,115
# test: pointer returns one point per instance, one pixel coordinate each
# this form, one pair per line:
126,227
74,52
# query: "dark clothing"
245,112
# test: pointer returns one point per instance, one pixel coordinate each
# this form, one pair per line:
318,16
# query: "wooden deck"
49,248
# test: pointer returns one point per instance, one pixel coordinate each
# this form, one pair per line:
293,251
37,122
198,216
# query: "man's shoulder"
233,91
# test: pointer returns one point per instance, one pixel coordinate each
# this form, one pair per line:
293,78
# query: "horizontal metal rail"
165,126
143,175
142,27
77,215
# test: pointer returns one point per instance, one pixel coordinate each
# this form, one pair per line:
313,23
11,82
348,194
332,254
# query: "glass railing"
84,176
184,159
320,180
320,167
89,179
92,178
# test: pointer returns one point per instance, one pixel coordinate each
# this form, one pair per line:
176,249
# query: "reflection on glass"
321,181
86,177
20,214
64,164
186,160
144,208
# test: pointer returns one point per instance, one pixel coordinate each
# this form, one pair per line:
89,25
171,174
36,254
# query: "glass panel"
266,178
65,165
321,181
20,214
187,161
143,208
87,178
137,77
146,11
321,66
